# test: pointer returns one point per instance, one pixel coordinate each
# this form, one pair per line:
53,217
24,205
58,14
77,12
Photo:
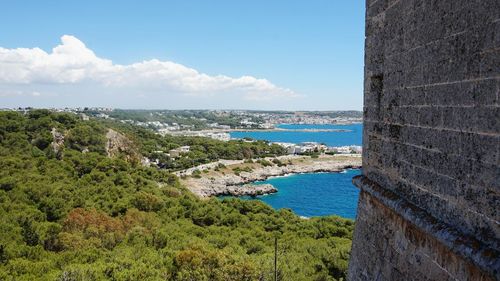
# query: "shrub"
196,174
147,202
265,163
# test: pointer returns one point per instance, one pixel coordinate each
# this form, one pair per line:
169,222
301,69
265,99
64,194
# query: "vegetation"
279,163
264,162
202,150
196,119
238,170
70,212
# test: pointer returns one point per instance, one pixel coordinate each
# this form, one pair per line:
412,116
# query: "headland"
235,178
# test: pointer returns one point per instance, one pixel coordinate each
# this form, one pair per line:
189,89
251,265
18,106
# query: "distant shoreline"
291,130
275,129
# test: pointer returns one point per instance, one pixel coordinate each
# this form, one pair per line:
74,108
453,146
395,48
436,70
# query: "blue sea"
312,195
318,194
352,137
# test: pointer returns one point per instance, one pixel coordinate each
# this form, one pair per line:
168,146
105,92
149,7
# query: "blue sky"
305,55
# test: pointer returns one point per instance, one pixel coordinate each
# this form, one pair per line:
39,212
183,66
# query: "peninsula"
235,177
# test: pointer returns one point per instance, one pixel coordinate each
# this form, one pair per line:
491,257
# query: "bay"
312,195
352,135
315,194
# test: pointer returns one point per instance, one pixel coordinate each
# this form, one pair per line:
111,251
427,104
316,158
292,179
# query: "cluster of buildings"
222,136
178,151
174,153
309,119
75,110
350,149
311,147
270,118
184,129
306,147
160,127
219,126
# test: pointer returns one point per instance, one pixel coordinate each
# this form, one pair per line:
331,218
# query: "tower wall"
430,189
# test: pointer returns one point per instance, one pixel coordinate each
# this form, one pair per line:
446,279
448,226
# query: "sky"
189,54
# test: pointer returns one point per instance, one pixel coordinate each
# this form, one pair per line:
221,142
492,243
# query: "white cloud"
10,93
73,63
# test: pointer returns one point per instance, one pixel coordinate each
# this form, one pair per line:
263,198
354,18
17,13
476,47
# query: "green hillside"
71,209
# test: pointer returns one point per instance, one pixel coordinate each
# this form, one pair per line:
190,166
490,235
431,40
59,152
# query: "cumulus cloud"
72,62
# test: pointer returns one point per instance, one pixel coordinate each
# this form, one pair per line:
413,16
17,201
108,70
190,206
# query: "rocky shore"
249,190
228,182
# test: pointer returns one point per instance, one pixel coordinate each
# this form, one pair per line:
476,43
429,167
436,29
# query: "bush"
172,192
196,174
237,171
147,202
265,163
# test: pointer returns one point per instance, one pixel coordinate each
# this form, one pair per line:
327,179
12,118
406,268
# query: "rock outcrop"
218,183
247,189
57,142
118,144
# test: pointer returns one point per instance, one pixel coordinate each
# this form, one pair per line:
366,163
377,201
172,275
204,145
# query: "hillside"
77,203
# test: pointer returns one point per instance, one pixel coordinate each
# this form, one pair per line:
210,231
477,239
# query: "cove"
315,194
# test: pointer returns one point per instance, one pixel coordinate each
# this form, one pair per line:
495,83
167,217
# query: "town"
306,148
165,121
215,124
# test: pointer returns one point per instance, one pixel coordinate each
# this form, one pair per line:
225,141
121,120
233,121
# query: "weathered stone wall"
404,251
431,139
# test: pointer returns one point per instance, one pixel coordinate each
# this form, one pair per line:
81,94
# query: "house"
178,151
84,117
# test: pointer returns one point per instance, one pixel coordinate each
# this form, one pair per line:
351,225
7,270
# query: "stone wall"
431,141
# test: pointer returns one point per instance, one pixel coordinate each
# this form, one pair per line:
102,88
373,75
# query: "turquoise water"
311,195
353,137
318,194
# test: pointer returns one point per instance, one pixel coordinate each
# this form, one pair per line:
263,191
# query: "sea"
352,135
314,194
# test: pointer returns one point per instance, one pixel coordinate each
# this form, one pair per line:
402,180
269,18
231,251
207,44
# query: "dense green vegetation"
70,212
202,150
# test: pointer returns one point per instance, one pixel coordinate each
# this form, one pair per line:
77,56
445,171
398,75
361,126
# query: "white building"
356,149
178,151
290,147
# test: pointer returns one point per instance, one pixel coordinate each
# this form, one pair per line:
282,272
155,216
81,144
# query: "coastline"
228,182
291,130
343,170
274,129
